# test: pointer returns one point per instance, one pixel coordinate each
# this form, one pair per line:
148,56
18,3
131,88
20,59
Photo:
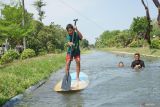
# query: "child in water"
121,64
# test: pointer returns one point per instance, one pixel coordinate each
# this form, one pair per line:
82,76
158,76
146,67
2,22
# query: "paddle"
66,83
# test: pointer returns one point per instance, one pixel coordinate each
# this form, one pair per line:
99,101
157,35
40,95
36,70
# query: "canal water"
109,86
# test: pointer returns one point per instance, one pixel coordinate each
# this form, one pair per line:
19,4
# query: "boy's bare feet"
78,79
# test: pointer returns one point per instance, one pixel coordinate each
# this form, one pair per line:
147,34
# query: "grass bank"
19,75
86,51
143,51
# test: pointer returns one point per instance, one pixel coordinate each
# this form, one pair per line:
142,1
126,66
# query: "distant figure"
5,47
137,63
121,64
19,48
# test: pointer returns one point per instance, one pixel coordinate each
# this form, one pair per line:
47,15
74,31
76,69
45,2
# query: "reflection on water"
70,100
109,86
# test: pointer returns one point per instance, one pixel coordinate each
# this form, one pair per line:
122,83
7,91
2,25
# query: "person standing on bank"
73,51
137,63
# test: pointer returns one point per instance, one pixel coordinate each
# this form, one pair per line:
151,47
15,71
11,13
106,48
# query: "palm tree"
39,4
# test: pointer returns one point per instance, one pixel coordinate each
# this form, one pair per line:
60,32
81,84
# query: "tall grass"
19,75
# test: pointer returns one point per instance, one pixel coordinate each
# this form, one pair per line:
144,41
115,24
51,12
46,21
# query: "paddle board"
75,85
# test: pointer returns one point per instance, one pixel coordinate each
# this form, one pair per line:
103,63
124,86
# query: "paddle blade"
66,83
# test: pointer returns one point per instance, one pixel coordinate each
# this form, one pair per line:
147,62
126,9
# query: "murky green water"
109,86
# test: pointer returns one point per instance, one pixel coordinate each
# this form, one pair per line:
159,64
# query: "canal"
109,86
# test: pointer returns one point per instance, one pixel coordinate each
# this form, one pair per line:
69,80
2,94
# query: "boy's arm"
132,65
143,65
79,33
68,41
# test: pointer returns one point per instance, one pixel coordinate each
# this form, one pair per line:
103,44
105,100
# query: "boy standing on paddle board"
73,51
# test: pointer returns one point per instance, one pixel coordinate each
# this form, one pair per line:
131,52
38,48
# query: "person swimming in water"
120,64
137,63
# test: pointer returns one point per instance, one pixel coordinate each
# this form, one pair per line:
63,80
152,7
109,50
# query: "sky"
94,16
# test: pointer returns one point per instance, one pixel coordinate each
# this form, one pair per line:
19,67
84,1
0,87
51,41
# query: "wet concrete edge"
19,97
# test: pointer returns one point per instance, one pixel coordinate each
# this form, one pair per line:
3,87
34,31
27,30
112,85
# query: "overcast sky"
95,16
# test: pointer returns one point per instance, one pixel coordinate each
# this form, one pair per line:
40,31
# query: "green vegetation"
139,25
28,53
18,28
143,51
9,56
18,76
155,44
38,36
84,43
135,36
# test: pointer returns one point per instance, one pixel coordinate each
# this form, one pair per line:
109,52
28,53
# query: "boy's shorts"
76,57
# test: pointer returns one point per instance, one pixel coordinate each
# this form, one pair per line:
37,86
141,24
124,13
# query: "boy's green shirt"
75,47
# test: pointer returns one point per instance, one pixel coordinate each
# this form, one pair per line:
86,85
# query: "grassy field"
142,51
19,75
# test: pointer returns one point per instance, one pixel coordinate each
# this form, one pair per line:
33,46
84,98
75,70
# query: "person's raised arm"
79,33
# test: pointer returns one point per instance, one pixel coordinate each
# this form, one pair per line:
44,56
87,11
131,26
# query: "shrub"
42,53
58,51
9,56
155,44
27,53
138,43
134,44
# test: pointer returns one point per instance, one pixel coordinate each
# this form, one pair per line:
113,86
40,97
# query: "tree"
157,4
39,4
46,38
11,23
139,26
59,35
32,41
156,30
107,39
84,43
149,27
123,39
38,36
